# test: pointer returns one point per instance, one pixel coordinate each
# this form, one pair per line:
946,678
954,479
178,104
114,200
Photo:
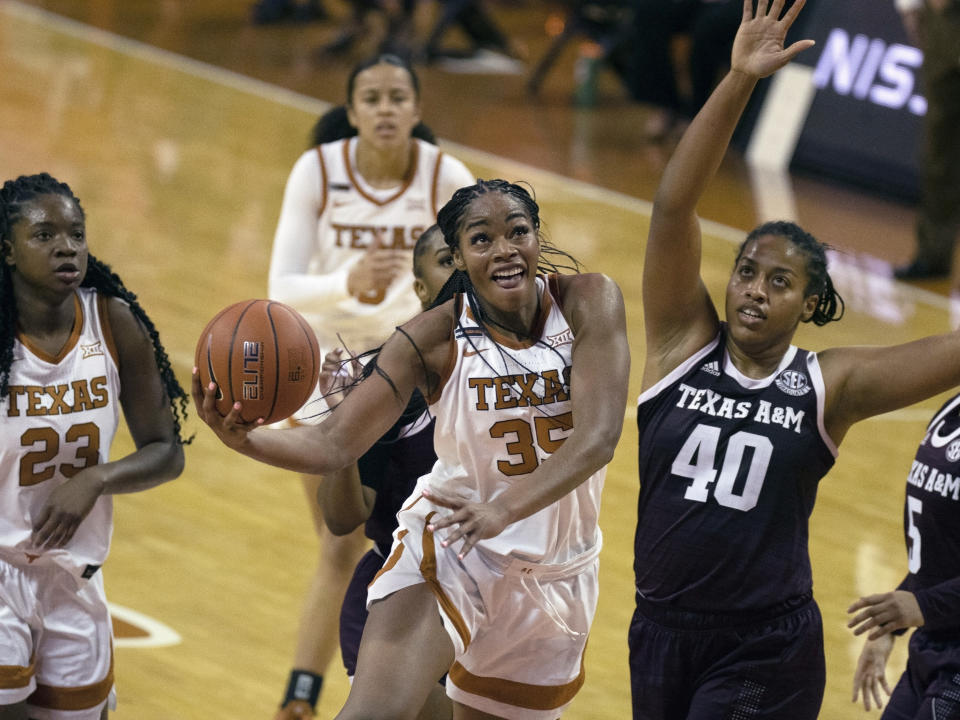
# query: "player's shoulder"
454,168
586,282
124,326
585,289
431,328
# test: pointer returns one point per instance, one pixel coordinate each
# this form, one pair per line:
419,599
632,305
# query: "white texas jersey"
503,409
331,216
59,417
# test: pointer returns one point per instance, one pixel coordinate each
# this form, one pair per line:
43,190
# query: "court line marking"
275,93
158,634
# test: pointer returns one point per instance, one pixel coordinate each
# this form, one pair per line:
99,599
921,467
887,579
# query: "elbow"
604,455
338,522
176,462
338,527
667,207
604,448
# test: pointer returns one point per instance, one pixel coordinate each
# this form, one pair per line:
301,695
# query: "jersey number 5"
914,507
697,460
524,447
87,453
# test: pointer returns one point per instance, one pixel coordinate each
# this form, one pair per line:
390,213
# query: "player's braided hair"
830,306
13,196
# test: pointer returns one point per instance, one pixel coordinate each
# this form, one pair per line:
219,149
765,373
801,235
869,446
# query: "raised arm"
679,315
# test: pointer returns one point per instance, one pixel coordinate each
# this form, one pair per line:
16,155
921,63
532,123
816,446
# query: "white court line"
289,98
782,117
158,634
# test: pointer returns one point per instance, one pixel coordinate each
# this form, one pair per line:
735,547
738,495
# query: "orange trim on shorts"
16,676
393,559
428,568
73,698
518,694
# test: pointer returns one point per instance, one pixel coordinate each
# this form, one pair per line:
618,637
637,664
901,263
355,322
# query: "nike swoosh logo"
936,439
469,353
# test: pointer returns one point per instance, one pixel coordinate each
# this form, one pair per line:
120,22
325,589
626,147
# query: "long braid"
8,328
102,278
99,276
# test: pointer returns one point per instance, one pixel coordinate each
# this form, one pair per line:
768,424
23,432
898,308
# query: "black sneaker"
267,12
921,269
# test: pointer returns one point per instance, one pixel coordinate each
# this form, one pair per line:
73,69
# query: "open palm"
758,47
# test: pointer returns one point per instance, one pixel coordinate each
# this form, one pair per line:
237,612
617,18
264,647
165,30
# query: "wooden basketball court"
176,123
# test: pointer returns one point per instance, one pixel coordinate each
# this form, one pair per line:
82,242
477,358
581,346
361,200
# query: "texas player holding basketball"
737,426
353,208
493,570
75,347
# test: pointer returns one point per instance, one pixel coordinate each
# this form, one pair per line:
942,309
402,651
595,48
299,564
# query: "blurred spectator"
934,26
265,12
489,50
397,39
710,26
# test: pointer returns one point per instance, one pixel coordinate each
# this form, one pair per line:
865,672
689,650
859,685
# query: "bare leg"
318,636
403,652
437,706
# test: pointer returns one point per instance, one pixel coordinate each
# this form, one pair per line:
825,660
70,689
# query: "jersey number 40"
697,460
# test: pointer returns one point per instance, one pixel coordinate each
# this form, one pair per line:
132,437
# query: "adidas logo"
712,367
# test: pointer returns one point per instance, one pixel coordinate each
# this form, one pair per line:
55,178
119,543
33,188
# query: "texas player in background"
75,347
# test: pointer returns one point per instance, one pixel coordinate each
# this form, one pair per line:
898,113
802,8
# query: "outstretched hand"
885,612
473,521
758,48
870,676
231,429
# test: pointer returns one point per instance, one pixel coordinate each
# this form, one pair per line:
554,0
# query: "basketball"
262,354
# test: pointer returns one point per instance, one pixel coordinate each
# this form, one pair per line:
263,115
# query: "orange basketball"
262,354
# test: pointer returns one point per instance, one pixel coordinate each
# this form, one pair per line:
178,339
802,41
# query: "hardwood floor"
177,127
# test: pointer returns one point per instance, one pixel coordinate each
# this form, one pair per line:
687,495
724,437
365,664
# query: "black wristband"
303,685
